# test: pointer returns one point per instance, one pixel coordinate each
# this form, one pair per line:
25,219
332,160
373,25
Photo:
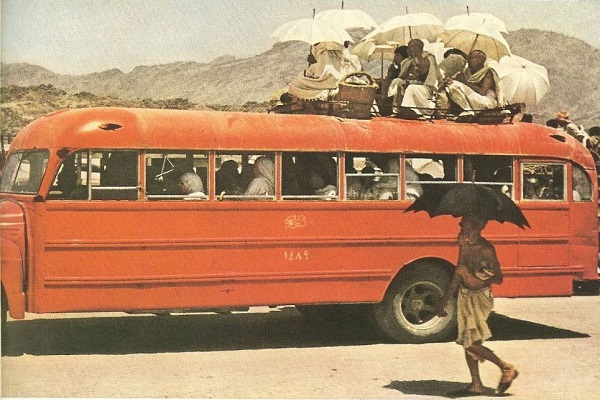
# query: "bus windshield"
23,171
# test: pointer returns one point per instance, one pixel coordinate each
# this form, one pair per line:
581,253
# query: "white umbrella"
476,36
310,31
369,50
428,166
401,29
521,80
347,19
480,18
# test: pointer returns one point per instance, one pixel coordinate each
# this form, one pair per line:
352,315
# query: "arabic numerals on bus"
296,255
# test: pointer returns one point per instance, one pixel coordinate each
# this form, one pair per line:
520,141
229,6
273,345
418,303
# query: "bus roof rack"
360,110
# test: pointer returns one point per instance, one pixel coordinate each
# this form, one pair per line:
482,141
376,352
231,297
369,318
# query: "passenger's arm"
487,84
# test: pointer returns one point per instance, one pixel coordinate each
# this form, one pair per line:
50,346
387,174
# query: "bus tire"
408,311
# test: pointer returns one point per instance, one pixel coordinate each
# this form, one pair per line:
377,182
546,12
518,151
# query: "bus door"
544,248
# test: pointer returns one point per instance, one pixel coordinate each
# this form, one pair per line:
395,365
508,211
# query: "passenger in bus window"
290,176
318,173
121,169
529,189
413,189
582,186
387,187
228,179
66,180
191,185
361,187
263,183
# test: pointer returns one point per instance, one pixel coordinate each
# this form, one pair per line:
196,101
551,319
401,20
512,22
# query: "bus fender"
12,278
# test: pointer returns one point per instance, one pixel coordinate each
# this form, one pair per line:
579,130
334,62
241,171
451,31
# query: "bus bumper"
586,287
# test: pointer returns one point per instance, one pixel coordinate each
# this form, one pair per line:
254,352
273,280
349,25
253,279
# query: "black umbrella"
469,200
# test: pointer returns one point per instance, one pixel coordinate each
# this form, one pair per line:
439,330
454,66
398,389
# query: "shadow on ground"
437,388
280,328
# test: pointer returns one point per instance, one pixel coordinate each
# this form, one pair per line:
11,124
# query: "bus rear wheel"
408,311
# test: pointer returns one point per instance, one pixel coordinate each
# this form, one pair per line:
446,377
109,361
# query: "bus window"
164,172
23,171
582,184
66,180
423,172
99,175
543,181
372,176
494,172
310,176
245,175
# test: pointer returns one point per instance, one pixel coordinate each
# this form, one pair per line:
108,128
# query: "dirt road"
275,353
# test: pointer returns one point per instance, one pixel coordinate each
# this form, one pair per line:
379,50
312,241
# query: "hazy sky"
84,36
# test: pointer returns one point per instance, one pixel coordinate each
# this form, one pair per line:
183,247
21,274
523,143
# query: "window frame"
522,179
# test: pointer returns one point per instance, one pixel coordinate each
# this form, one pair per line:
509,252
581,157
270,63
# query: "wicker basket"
357,97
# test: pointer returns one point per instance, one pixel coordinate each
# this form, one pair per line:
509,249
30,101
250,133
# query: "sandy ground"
275,353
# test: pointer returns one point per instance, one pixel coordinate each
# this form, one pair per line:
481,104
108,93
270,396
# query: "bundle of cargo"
353,99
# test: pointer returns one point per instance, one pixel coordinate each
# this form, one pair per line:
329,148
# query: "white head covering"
192,182
264,183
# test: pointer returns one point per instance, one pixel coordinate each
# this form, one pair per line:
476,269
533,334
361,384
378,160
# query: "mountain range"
573,67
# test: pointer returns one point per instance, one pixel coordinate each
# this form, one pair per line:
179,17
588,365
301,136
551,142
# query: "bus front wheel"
408,311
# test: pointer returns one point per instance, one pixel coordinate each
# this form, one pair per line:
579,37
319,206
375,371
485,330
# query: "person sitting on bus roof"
565,123
263,183
527,118
385,99
417,80
594,142
454,62
191,185
322,75
350,62
477,88
227,179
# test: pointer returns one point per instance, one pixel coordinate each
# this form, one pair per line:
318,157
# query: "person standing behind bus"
263,183
478,268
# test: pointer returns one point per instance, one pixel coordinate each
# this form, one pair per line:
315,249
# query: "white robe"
468,99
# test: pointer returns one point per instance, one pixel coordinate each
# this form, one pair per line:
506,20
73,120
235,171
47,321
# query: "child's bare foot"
509,374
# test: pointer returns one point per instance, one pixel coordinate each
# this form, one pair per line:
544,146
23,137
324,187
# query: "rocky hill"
573,65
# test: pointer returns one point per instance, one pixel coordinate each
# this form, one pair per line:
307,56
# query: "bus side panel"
149,256
543,268
584,239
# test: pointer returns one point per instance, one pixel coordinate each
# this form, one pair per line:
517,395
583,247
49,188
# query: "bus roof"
99,128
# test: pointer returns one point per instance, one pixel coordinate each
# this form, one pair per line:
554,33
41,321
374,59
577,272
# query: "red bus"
93,217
